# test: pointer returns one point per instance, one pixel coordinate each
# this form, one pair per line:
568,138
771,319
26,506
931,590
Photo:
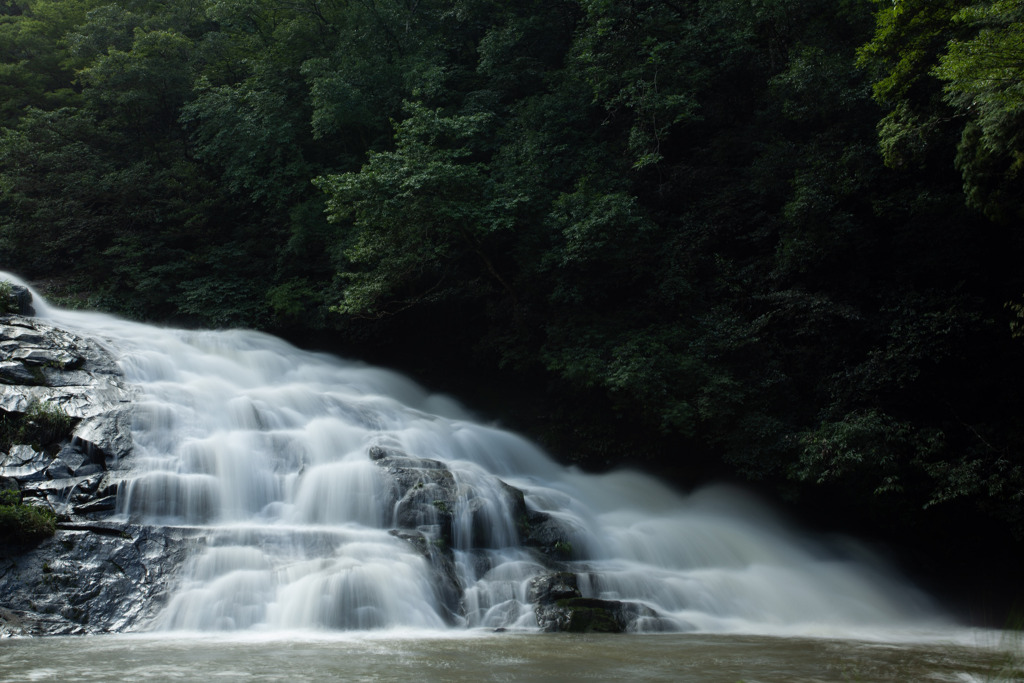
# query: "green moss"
587,615
22,524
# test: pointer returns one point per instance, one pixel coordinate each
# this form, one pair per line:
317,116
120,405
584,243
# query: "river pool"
966,657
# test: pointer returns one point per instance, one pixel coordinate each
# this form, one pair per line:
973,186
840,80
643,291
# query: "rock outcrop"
560,606
435,512
64,396
15,299
65,430
90,577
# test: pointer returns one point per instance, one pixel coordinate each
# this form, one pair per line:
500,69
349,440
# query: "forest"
777,242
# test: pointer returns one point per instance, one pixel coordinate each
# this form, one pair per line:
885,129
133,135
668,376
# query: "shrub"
7,302
23,524
42,424
45,423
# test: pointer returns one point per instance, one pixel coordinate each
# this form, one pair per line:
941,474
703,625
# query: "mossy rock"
589,615
593,615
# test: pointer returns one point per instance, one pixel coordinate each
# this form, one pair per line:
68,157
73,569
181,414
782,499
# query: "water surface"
983,656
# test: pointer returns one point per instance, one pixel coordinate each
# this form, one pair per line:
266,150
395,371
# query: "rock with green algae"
560,606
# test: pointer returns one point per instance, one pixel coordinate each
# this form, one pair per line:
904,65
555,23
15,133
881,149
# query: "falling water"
279,459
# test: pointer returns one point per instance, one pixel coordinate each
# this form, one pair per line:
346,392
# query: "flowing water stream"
267,451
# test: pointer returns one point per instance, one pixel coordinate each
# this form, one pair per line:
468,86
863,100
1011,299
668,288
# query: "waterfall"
329,494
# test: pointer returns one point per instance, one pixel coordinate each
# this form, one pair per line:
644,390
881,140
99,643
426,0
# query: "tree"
950,72
984,83
422,214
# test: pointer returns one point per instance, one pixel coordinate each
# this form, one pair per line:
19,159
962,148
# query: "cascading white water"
264,448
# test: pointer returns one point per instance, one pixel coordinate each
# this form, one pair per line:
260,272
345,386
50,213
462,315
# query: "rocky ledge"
65,429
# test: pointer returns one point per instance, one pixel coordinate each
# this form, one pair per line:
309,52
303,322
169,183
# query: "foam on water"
264,446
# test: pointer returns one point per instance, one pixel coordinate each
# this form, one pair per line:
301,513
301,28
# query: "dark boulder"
464,509
560,606
18,300
437,510
424,492
548,589
546,535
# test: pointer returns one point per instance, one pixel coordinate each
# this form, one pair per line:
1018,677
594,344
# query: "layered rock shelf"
64,395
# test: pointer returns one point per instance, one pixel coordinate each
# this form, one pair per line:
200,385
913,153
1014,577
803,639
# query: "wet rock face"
41,364
67,413
560,606
65,430
90,577
425,492
18,300
425,496
428,497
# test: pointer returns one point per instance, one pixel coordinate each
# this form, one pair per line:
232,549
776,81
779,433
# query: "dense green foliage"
771,239
21,523
41,425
